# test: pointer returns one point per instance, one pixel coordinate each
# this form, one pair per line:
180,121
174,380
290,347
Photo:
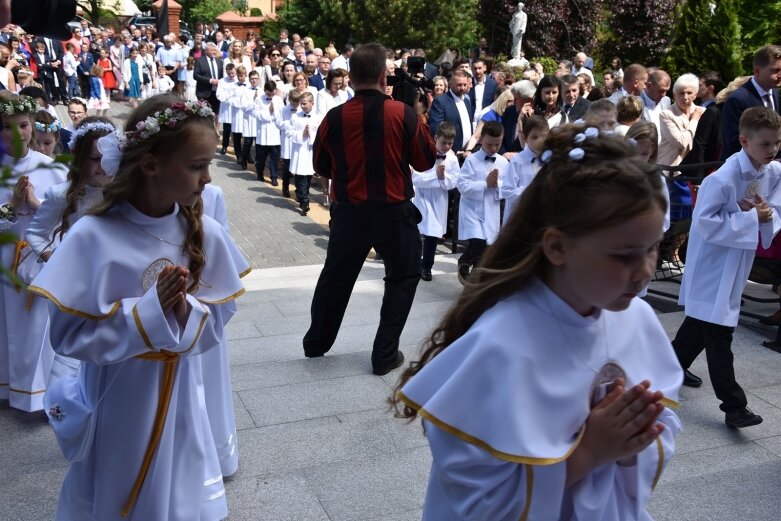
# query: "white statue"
517,28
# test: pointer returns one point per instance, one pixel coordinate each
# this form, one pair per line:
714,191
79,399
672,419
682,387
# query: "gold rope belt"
18,247
166,390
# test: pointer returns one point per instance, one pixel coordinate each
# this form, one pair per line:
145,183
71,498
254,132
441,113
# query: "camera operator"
366,147
408,85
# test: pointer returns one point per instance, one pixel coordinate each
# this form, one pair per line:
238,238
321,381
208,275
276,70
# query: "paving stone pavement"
316,440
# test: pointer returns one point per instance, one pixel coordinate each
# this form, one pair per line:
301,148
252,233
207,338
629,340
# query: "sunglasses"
275,54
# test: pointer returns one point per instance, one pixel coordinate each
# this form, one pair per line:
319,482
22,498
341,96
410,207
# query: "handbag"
72,414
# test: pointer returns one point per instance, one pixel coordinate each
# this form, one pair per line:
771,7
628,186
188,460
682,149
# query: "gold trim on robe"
141,330
25,392
245,273
514,458
672,404
659,464
198,333
83,314
223,301
529,491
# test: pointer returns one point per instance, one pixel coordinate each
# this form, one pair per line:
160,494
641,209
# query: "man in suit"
454,106
575,105
207,73
483,88
318,78
45,68
761,89
655,98
429,69
635,79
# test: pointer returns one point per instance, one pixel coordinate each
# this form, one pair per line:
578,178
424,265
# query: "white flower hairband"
577,153
95,126
51,128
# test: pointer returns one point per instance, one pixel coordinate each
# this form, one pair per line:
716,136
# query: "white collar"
759,88
747,170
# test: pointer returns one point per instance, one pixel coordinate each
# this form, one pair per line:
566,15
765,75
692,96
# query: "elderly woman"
679,123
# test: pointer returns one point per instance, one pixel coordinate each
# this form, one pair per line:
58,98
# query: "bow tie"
490,158
307,115
269,99
441,156
534,160
241,84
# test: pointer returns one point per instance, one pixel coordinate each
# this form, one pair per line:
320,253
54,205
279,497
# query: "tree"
760,26
641,29
706,38
208,10
145,6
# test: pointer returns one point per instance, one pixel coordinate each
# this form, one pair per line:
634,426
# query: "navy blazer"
578,110
743,98
444,109
488,93
317,81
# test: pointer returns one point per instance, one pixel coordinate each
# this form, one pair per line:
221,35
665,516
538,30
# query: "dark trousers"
246,149
695,335
285,165
237,145
226,134
474,250
213,102
393,232
48,85
263,152
429,249
303,182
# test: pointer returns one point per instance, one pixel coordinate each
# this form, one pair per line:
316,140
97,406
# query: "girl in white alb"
137,288
547,390
66,203
25,352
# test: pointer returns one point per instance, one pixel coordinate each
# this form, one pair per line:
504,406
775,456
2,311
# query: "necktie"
441,156
213,68
768,101
50,48
492,159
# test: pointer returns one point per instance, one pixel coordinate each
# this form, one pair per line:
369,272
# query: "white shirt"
463,113
479,90
340,62
762,93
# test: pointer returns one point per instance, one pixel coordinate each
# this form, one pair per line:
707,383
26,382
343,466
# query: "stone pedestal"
240,25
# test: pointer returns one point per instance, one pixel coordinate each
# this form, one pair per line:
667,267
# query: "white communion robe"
226,88
478,212
239,119
25,351
523,167
41,238
431,195
723,238
301,147
505,405
284,122
267,130
152,433
215,366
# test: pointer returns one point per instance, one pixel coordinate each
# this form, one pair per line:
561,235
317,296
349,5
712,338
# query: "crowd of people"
127,275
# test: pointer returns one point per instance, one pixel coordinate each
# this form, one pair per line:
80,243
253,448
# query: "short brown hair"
634,72
767,55
757,118
293,96
492,129
367,63
446,130
629,108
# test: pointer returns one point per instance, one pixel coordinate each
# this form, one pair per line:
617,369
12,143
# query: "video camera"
407,85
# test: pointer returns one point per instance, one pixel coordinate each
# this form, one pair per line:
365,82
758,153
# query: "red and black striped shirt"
366,146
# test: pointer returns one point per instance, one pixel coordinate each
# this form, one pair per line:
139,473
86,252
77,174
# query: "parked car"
142,21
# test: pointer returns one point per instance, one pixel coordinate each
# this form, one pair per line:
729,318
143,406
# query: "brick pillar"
174,14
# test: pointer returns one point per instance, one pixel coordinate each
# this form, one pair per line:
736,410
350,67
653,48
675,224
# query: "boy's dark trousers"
303,182
692,337
48,85
246,149
429,249
285,164
226,135
263,152
474,251
237,146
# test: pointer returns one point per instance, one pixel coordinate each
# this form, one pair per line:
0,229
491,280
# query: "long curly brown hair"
609,185
126,182
78,181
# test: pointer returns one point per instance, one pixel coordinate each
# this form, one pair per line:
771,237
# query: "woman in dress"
131,73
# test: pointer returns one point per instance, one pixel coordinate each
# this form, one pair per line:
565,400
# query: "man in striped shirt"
366,147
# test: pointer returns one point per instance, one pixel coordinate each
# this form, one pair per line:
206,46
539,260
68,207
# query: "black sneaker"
691,380
385,370
463,273
742,417
426,275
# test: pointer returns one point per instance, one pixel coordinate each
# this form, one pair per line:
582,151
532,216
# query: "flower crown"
94,126
18,105
170,118
51,128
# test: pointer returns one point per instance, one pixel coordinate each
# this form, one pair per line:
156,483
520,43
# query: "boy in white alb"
283,121
737,204
249,122
268,142
302,135
431,190
525,165
236,102
225,90
478,184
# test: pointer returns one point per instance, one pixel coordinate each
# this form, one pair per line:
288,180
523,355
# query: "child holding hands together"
545,391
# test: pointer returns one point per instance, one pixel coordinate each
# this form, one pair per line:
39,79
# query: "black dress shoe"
243,165
285,192
274,182
385,370
261,179
463,273
305,209
691,380
223,150
742,417
426,275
